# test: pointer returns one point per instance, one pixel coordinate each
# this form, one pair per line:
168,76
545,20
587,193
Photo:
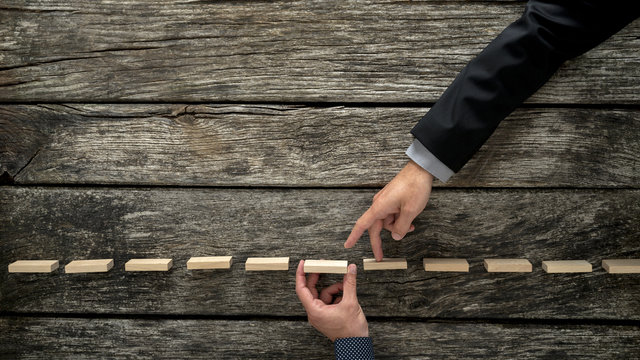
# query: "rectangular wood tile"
508,265
89,266
445,264
209,262
621,266
566,266
33,266
148,265
385,264
326,266
266,263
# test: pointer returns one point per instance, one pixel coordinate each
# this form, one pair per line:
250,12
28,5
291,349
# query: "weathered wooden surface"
337,51
75,223
35,338
242,145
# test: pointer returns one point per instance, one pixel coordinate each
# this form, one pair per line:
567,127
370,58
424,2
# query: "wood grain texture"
621,266
257,145
35,266
35,338
71,223
293,51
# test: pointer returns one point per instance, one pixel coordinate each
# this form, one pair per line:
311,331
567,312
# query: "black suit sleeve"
511,68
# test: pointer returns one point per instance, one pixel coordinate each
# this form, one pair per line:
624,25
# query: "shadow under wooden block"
148,265
33,266
89,266
621,266
326,266
508,265
209,262
385,264
266,263
567,266
445,264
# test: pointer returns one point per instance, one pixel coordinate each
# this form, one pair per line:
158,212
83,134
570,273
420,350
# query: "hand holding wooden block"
148,265
33,266
326,266
266,263
385,264
209,262
89,266
566,266
445,264
508,265
621,266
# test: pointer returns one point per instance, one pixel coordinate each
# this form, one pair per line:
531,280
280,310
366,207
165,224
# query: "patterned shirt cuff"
352,348
423,157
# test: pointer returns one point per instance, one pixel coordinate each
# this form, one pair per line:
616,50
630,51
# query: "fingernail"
396,236
353,269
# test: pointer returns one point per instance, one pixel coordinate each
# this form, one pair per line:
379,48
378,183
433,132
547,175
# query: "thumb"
349,282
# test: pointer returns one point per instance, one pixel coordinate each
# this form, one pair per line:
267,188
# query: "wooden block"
621,266
33,266
148,265
209,262
566,266
507,265
385,264
266,263
89,266
326,266
445,264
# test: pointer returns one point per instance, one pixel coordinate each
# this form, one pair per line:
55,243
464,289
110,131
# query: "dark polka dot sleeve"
360,348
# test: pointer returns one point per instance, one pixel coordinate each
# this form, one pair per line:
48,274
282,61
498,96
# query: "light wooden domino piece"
566,266
326,266
621,266
33,266
89,266
148,265
508,265
209,262
385,264
445,264
266,263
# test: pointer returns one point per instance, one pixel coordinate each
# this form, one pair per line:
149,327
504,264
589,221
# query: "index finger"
364,222
303,292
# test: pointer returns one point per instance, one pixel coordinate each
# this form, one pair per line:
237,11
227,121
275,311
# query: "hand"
394,207
333,315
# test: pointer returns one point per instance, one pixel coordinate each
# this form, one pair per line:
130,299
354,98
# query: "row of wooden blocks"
614,266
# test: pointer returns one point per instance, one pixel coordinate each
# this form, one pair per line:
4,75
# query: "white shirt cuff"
423,157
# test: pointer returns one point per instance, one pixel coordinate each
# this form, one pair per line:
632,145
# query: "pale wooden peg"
148,265
507,265
33,266
566,266
209,262
445,264
385,264
266,263
89,266
326,266
621,266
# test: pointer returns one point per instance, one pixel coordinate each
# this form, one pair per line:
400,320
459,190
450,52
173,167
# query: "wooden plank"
33,337
89,266
445,264
507,265
566,266
294,51
267,263
122,223
148,265
33,266
209,262
385,264
326,266
621,266
265,145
